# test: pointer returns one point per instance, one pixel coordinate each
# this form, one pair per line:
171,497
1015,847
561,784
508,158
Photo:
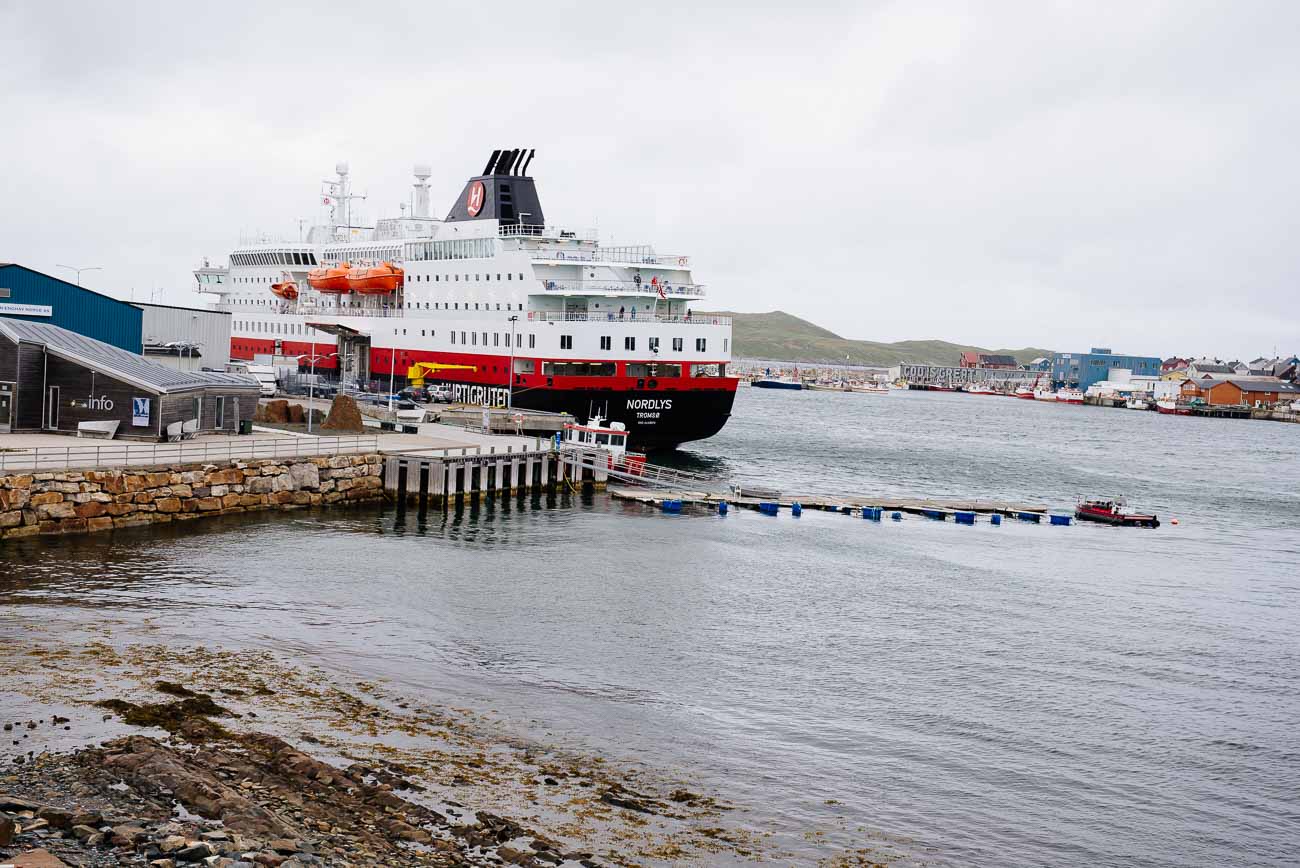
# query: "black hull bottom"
1116,521
655,419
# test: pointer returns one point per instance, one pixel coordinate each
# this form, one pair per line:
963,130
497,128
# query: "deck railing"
624,287
112,455
611,316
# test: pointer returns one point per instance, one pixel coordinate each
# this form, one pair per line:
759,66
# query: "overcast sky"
1003,173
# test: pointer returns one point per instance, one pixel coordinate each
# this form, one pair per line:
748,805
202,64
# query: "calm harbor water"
1022,695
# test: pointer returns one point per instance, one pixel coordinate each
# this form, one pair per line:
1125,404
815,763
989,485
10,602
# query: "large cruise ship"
532,315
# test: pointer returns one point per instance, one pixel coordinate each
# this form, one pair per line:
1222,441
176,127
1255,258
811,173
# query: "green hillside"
780,336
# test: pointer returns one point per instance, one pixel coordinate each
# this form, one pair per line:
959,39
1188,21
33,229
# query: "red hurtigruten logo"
474,200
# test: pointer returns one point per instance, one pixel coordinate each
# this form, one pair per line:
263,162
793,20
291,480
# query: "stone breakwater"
86,501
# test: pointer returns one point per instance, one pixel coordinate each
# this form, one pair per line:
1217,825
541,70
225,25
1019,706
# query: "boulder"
296,415
344,416
36,859
305,475
276,411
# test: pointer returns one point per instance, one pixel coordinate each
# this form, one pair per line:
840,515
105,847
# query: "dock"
846,504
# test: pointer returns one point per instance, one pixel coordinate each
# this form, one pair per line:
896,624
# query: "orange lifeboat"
375,279
286,288
332,280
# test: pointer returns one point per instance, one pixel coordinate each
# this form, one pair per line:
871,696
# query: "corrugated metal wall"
74,308
210,329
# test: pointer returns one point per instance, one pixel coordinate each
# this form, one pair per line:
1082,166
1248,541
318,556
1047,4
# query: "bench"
106,430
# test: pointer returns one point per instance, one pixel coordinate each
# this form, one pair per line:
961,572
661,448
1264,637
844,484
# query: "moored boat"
1044,395
1171,407
1025,393
980,389
1136,403
610,438
1069,396
776,383
1113,511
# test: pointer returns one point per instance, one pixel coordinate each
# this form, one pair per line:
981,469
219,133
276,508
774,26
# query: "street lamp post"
81,269
510,384
311,383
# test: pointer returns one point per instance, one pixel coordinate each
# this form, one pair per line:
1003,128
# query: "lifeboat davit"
285,289
330,279
375,279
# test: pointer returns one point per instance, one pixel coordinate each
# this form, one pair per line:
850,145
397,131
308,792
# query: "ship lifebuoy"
681,260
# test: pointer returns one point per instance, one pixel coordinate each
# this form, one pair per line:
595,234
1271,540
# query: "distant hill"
779,336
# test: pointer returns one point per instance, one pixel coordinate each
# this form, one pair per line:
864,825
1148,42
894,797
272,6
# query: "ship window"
462,337
654,345
532,342
521,276
509,276
677,345
474,338
701,344
485,339
566,342
453,337
496,339
629,343
602,439
525,366
498,275
457,305
726,342
606,342
578,369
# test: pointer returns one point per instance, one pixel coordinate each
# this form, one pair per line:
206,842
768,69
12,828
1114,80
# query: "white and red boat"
1113,511
534,315
1025,393
611,438
1171,407
980,389
1069,396
1047,394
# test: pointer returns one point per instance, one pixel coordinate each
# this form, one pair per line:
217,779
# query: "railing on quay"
624,287
611,316
193,452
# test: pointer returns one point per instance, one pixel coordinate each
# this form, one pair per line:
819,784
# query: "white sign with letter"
10,309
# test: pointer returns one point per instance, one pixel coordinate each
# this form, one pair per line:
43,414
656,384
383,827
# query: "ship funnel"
420,202
504,192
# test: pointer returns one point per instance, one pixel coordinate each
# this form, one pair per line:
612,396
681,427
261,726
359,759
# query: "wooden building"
52,379
1238,391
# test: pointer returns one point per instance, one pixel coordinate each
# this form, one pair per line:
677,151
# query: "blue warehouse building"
30,295
1081,370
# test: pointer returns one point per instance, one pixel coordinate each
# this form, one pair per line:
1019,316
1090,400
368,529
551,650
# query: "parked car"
441,394
415,393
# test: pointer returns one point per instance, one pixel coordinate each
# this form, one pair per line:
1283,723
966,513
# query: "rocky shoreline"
199,757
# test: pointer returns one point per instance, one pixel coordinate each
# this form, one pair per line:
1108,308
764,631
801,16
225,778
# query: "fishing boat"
872,389
1069,396
980,389
1114,511
1171,407
1136,403
1025,393
610,438
1044,395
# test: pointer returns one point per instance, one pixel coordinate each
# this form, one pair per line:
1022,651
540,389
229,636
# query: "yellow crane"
416,373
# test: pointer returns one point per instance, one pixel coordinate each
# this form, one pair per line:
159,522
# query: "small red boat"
1114,512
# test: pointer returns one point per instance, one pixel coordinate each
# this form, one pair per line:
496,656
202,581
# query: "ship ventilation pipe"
491,163
420,203
508,166
524,169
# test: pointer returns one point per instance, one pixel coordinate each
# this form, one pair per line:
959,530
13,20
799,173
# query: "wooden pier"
440,478
846,504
